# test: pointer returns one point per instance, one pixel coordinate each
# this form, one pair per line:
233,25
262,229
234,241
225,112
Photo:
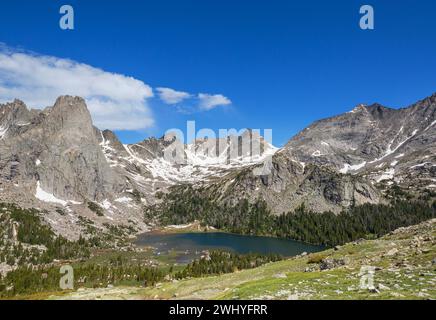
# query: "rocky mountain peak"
251,134
18,105
70,113
13,111
72,101
431,99
358,108
427,105
109,138
14,118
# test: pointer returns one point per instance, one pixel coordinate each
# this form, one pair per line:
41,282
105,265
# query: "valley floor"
404,262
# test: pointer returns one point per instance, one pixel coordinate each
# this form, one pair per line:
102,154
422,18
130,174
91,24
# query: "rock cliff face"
381,144
290,185
73,166
57,149
56,159
52,159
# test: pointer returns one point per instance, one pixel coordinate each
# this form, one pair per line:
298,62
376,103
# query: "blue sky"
282,64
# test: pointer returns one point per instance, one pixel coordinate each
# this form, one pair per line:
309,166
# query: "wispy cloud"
193,102
171,96
115,101
209,102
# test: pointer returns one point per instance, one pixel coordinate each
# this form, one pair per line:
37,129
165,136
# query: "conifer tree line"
45,278
32,279
365,221
220,262
35,242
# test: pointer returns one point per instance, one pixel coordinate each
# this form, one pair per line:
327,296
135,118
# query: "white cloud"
209,102
116,102
202,101
171,96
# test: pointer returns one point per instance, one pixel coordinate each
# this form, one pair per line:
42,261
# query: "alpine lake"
187,246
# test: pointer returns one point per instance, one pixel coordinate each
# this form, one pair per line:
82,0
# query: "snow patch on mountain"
390,151
420,165
387,175
431,125
347,167
196,163
3,130
47,197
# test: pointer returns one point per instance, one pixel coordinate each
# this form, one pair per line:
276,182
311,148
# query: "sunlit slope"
404,260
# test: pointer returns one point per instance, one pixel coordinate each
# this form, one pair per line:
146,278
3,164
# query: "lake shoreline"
189,244
195,227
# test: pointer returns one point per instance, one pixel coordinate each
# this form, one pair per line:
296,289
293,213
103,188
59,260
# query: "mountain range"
56,160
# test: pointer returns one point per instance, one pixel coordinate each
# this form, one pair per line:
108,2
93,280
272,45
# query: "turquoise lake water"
190,245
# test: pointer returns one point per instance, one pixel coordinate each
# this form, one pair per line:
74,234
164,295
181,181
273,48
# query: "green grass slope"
404,261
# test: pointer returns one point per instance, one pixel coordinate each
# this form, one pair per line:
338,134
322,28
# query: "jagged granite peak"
76,166
111,139
14,118
59,151
372,140
55,161
235,148
153,164
14,110
152,148
70,113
